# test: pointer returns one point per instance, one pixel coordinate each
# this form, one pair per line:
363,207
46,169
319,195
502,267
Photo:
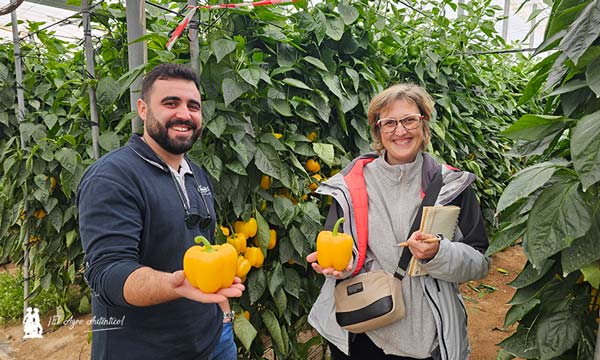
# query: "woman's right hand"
312,259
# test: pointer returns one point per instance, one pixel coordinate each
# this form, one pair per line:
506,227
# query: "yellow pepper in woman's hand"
333,249
210,267
255,256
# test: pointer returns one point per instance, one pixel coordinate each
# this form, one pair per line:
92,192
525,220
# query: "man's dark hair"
165,72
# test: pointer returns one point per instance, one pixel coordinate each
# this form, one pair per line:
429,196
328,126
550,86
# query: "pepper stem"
202,240
337,225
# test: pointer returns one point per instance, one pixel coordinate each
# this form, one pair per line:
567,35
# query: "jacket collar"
143,150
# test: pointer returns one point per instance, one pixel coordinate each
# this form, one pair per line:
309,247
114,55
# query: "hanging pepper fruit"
333,249
243,266
255,256
272,239
238,240
248,228
210,267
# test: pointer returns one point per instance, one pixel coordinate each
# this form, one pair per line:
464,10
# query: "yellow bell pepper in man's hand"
334,249
210,267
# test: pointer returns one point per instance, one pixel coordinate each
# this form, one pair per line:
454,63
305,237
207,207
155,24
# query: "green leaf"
582,33
325,152
262,235
298,240
250,75
268,163
272,325
276,278
109,140
533,127
296,83
237,167
281,302
214,165
292,283
231,90
585,149
333,84
217,126
507,236
284,208
334,28
348,13
244,331
222,47
592,76
281,106
591,274
107,91
257,284
585,250
557,333
50,120
70,237
522,344
516,312
67,159
559,216
526,182
56,219
316,62
530,275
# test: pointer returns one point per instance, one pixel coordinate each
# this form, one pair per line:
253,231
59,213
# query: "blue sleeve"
110,225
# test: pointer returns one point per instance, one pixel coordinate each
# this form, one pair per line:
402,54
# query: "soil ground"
485,301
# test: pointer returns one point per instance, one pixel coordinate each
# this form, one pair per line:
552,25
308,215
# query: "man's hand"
420,249
312,258
183,288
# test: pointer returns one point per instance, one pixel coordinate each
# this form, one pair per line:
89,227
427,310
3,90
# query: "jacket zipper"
437,309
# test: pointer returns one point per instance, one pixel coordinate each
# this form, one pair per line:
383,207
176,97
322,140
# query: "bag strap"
431,194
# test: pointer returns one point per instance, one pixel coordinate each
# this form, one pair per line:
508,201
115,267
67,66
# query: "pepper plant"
553,206
285,91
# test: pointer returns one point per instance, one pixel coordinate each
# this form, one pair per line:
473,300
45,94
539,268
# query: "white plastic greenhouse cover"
518,28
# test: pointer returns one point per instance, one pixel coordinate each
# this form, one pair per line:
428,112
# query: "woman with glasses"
395,178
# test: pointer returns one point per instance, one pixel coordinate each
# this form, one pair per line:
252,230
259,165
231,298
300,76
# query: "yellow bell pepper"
224,230
248,228
210,267
238,240
333,249
255,256
272,239
243,266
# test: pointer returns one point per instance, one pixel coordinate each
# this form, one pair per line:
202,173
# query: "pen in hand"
430,240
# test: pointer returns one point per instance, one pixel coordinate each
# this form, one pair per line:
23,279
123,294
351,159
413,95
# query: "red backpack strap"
360,203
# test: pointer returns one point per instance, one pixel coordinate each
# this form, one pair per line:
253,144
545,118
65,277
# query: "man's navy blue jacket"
130,215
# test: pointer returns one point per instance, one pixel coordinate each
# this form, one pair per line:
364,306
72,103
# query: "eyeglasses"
408,122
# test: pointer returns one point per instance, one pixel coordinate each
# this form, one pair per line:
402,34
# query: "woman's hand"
423,250
312,259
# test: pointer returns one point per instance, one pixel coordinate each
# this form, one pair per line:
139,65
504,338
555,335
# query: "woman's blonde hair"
405,91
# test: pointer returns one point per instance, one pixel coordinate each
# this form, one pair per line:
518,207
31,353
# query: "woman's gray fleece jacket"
457,261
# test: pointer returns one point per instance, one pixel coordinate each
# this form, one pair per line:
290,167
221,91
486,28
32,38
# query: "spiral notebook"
435,220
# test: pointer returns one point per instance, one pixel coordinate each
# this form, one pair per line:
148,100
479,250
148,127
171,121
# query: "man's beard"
160,134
